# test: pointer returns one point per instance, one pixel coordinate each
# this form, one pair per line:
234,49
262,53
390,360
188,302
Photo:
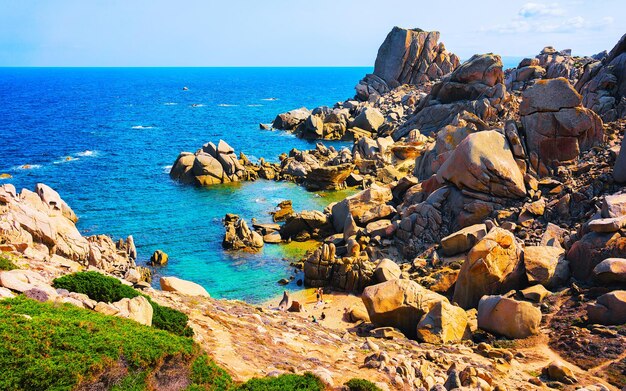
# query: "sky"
289,32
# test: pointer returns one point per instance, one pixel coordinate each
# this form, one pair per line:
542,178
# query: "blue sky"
288,33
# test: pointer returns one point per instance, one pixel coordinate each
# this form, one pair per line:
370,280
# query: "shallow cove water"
104,138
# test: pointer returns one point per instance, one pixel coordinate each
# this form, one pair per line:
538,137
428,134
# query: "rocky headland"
484,247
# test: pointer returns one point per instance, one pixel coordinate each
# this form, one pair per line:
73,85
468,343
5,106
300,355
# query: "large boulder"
387,270
291,119
138,309
609,309
603,84
508,317
184,287
407,56
444,323
593,248
463,240
483,162
546,265
369,119
328,177
611,271
366,206
403,304
493,266
556,125
210,165
238,236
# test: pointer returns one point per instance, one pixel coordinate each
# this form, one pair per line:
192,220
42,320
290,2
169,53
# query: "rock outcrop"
407,56
239,237
603,84
556,125
209,165
476,87
609,309
29,220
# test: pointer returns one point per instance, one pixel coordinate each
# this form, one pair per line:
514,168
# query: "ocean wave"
226,105
170,103
167,169
27,167
254,105
65,159
88,152
142,127
270,99
197,105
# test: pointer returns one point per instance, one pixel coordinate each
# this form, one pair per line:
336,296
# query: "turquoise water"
124,127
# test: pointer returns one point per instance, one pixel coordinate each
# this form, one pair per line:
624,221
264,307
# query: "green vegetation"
306,382
361,385
6,263
46,346
108,289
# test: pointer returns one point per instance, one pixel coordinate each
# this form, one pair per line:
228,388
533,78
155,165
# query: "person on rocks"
323,316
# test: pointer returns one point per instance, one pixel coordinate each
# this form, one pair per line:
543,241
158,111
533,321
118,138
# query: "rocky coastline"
486,241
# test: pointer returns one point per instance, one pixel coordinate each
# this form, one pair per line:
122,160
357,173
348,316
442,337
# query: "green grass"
6,263
46,346
288,382
109,289
361,385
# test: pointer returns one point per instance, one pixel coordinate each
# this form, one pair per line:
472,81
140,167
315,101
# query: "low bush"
109,289
6,263
361,385
289,382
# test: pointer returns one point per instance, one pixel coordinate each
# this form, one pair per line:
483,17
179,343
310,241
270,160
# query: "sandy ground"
333,306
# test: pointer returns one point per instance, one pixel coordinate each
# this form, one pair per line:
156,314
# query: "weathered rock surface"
407,57
404,304
609,309
610,271
483,162
546,265
508,317
238,236
174,284
556,125
493,266
209,165
603,84
366,206
463,240
476,87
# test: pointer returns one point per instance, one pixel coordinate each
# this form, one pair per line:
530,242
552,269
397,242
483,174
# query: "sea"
105,139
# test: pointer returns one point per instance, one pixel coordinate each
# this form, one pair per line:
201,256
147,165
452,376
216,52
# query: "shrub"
205,374
361,385
109,289
45,346
289,382
97,286
6,263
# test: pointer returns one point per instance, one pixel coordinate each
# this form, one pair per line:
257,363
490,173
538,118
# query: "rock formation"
238,236
603,84
407,56
556,126
210,165
477,86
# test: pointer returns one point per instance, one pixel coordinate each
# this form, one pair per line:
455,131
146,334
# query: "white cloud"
532,10
546,18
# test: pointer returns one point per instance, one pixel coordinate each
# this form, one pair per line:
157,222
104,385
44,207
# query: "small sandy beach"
334,306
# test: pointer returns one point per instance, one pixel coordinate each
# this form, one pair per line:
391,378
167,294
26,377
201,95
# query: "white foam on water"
226,105
170,103
197,105
88,152
142,127
255,105
65,159
269,99
167,169
27,167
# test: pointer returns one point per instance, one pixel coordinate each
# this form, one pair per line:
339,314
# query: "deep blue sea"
105,139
